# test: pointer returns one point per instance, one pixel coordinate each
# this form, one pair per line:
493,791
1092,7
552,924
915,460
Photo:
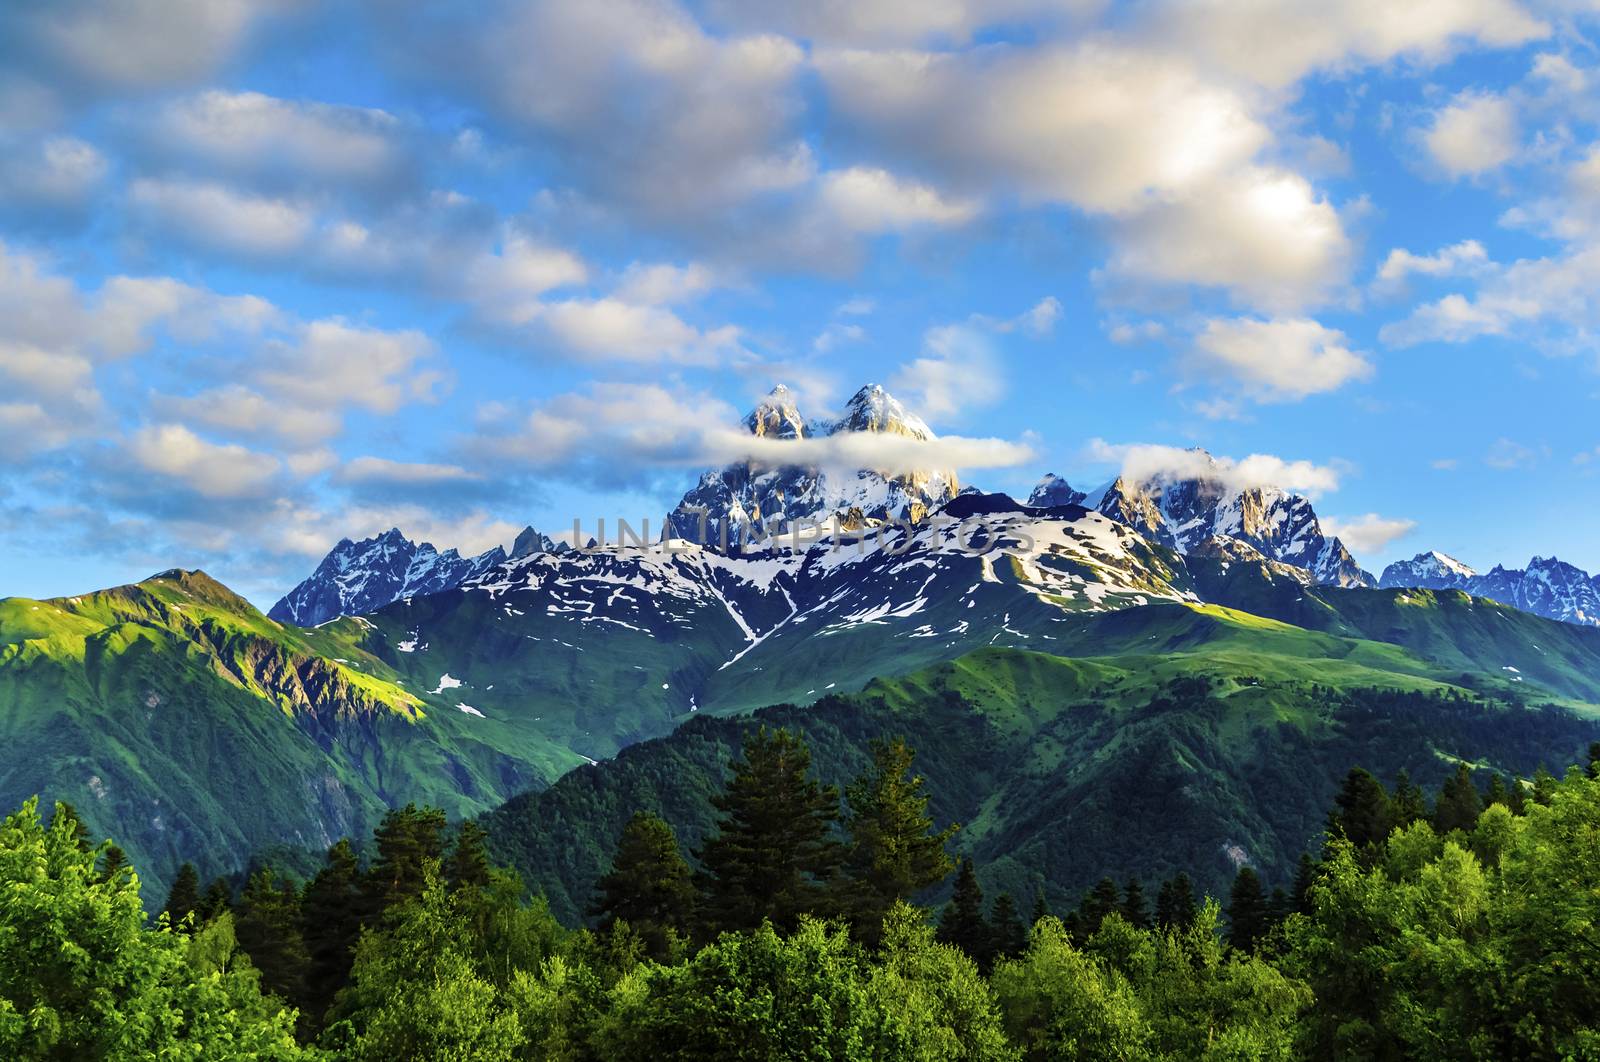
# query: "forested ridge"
1458,923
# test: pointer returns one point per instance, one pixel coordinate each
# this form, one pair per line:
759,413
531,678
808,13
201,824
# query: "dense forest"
1457,925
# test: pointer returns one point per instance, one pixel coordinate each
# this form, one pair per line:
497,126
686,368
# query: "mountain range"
180,719
1546,587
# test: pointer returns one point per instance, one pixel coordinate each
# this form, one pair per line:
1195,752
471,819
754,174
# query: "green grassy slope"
1064,770
182,722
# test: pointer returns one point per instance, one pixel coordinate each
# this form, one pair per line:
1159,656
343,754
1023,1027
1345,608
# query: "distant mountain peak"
1547,587
777,416
1052,490
874,409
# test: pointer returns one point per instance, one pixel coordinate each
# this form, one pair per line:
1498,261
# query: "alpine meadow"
592,530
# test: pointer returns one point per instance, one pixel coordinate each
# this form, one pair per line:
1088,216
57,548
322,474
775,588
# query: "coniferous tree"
1133,905
267,924
1248,913
1175,903
648,886
1363,811
1010,938
894,852
1544,786
1410,803
1593,768
183,899
1459,804
1305,876
468,865
1041,908
1496,793
1102,900
1516,796
406,840
963,923
774,855
330,920
217,899
113,861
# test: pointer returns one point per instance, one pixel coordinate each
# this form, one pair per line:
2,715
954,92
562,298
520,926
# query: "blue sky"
273,273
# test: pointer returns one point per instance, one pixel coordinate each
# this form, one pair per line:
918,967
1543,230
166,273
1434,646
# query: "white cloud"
253,136
1263,233
1507,454
610,329
957,371
383,470
870,200
1465,257
1283,359
889,22
1277,42
1476,133
1517,299
1367,533
330,363
211,470
56,176
239,410
1040,320
663,283
213,215
1149,462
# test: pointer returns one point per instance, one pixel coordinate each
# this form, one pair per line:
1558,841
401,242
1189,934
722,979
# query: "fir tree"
1363,811
1041,908
1304,877
774,854
1544,786
183,899
1102,900
1516,796
217,899
1248,914
406,840
1594,759
267,923
963,923
1410,803
330,920
1496,793
468,865
1175,904
1133,905
1459,804
113,861
894,852
648,886
1010,938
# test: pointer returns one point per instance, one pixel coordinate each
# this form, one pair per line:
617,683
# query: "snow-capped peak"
874,409
1052,490
777,416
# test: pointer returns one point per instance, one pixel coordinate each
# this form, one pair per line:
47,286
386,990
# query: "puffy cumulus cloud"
868,200
663,283
277,142
505,284
214,216
890,22
1278,42
1475,133
239,410
57,55
646,109
1163,153
1369,532
1154,463
331,364
958,370
1465,257
1099,125
211,470
612,329
50,181
1277,360
1262,233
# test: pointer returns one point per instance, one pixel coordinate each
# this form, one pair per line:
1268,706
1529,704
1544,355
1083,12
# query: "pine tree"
183,899
1544,786
1410,803
1041,908
648,886
1175,904
894,852
113,861
217,899
330,921
1134,908
774,855
962,923
1363,812
1102,900
1248,915
1010,937
1305,876
468,865
1516,796
406,840
1459,804
1594,759
267,923
1496,793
